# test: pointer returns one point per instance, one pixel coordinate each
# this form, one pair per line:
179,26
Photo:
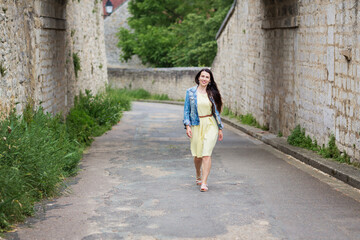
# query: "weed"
38,150
36,154
77,65
332,151
2,69
101,66
247,119
280,134
227,112
299,138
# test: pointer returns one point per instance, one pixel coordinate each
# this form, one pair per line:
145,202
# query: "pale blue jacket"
191,116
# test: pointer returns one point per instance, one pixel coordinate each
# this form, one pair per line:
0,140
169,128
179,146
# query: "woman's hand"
220,135
188,131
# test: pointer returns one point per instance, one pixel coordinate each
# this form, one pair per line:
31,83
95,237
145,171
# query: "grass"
2,69
247,119
300,139
39,150
137,94
77,64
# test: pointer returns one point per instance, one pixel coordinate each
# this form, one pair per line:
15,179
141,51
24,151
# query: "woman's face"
204,78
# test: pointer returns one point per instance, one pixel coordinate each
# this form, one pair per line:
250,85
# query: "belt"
205,116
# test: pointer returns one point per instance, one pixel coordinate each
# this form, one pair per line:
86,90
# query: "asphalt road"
137,182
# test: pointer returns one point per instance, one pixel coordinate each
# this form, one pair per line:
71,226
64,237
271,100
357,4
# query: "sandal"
204,188
198,181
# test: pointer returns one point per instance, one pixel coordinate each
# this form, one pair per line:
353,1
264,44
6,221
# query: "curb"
341,171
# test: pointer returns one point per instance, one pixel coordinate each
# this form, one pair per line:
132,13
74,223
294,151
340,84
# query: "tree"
167,33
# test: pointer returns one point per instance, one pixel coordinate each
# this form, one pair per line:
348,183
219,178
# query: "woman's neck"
201,89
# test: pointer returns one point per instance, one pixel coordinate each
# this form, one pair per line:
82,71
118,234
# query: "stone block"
330,63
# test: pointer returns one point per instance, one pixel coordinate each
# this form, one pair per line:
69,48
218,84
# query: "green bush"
77,64
80,126
140,94
298,138
35,157
247,119
94,115
38,150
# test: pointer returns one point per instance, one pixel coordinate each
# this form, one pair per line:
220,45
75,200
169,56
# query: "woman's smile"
204,79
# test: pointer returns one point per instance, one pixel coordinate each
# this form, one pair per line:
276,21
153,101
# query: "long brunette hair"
211,89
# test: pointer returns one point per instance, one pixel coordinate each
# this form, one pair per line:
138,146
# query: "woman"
202,122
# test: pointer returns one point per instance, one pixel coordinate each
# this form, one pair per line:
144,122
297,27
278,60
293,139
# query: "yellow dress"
204,136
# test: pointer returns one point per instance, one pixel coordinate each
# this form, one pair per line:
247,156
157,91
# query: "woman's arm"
187,110
221,136
188,131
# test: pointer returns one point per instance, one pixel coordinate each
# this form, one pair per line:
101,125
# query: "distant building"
119,18
116,4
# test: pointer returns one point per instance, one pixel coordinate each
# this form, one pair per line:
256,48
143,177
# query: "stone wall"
170,81
38,40
303,71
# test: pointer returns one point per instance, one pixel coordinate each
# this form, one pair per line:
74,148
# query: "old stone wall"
38,41
294,63
170,81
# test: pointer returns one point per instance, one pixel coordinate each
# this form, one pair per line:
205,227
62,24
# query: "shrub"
247,119
298,138
77,64
94,115
35,157
38,150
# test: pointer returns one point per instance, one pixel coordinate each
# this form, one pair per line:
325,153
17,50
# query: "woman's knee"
206,158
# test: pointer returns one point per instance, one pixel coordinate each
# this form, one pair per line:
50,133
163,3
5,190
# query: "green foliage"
2,70
35,155
173,33
160,97
299,138
72,33
94,115
142,94
247,119
227,112
38,150
77,65
332,151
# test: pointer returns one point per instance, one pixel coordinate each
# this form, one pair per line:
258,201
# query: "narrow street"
137,182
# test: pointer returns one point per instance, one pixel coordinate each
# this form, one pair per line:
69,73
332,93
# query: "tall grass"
247,119
35,157
38,150
94,115
142,94
300,139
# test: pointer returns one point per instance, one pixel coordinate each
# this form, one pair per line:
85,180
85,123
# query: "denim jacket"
191,116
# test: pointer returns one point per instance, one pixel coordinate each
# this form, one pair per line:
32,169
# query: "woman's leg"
206,166
197,163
